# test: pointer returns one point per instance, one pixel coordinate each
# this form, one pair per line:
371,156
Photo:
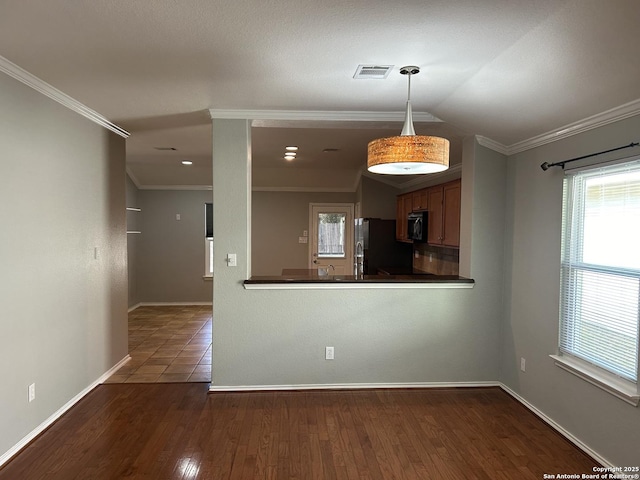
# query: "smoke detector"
379,72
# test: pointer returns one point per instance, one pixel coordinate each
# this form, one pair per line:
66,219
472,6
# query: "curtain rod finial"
545,166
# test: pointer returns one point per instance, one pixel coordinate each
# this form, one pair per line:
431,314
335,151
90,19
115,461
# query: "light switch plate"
232,260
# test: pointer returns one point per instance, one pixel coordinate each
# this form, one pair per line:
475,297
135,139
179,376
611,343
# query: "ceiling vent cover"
379,72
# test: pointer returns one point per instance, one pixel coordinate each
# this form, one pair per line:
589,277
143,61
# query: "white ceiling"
508,70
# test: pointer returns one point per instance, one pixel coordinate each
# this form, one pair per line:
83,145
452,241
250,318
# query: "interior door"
331,233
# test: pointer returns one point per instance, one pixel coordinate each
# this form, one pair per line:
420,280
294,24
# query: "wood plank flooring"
179,431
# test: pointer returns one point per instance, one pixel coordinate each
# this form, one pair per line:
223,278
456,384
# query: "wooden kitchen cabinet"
419,200
444,214
404,206
443,204
434,230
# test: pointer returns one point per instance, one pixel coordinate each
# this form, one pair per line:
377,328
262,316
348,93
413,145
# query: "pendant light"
408,154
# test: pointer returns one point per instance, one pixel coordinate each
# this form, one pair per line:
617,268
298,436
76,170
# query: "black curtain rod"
545,166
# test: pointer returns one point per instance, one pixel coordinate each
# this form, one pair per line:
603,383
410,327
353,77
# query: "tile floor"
168,344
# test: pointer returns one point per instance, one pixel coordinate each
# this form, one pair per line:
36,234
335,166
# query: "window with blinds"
600,280
208,239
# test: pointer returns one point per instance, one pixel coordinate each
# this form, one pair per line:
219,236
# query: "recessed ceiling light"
293,154
289,157
187,162
291,149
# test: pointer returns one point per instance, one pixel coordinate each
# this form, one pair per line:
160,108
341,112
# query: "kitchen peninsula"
310,279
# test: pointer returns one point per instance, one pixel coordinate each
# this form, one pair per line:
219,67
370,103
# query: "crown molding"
133,178
616,114
319,115
175,187
595,121
613,115
53,93
304,189
492,145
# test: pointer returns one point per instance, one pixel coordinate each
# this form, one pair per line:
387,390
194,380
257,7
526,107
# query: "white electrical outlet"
177,216
523,364
32,392
328,353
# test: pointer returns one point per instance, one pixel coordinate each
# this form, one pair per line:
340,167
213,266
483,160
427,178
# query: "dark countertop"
311,276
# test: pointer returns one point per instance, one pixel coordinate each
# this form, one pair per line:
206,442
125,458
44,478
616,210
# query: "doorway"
331,238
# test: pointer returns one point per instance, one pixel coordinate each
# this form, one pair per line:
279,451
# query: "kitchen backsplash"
437,260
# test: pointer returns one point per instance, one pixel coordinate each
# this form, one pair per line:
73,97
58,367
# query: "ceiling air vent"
164,149
379,72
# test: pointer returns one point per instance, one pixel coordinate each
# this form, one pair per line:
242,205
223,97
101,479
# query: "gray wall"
378,199
380,336
133,223
277,220
171,253
64,313
601,421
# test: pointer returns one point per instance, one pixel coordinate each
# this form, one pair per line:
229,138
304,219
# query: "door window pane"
331,235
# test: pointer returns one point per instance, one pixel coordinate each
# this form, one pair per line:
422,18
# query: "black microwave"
417,226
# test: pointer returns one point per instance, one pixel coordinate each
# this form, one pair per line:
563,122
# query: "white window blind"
600,280
208,257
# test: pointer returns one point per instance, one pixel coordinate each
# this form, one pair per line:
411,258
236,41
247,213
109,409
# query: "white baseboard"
335,386
5,457
559,428
349,386
131,309
170,304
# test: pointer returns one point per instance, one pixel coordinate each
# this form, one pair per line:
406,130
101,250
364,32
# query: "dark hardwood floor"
179,431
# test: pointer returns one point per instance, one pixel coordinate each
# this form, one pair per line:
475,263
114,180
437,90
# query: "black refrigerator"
376,247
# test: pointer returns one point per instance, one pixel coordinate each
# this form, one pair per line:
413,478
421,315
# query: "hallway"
168,344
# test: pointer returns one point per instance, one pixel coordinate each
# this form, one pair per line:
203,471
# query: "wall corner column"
231,156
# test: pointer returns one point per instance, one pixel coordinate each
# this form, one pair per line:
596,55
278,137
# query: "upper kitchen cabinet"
419,200
444,214
404,206
443,204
